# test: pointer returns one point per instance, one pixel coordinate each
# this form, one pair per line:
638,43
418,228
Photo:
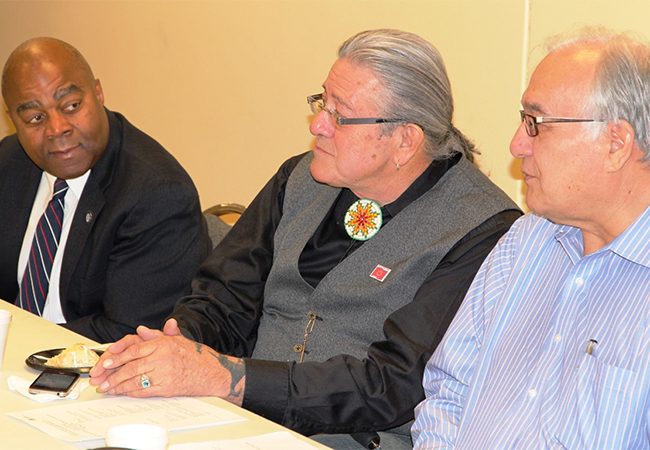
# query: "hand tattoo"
235,367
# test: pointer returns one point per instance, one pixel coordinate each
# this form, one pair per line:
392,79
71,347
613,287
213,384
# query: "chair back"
220,219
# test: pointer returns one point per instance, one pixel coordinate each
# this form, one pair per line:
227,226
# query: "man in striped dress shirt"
551,347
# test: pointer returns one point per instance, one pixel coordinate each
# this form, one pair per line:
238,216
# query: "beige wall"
222,84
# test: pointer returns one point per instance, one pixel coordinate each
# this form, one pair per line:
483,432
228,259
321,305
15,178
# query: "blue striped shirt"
516,369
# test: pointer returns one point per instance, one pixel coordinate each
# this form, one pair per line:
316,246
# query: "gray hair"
418,89
621,88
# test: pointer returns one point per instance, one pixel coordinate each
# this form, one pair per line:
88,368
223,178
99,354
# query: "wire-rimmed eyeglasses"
317,105
530,121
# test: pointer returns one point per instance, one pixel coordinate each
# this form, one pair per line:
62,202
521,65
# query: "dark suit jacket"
136,239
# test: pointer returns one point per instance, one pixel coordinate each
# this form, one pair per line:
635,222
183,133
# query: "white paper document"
280,440
76,422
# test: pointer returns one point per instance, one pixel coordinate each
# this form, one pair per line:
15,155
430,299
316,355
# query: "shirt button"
557,338
532,393
579,281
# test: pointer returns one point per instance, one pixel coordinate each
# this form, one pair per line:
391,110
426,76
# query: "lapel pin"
380,273
89,216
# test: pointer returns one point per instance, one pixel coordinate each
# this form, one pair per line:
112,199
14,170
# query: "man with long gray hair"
322,305
550,347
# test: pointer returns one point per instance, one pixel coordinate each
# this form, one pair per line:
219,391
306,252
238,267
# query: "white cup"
5,320
138,437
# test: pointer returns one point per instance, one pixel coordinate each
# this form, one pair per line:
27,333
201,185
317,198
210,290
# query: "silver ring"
145,382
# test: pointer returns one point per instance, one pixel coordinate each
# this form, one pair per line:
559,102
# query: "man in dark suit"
132,233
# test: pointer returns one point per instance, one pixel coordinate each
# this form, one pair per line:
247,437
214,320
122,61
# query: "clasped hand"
175,366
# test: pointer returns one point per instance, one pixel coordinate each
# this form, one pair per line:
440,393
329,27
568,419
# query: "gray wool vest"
350,305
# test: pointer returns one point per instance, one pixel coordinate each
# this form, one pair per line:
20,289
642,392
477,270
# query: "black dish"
37,361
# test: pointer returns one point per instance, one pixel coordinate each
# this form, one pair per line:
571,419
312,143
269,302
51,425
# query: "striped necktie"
36,280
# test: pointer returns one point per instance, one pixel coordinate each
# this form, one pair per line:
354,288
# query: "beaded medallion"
363,219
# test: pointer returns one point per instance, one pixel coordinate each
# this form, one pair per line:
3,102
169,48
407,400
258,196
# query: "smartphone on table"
54,382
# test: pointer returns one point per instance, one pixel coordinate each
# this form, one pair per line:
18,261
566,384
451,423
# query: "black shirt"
343,394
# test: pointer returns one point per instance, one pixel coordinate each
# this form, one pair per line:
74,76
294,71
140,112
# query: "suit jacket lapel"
90,205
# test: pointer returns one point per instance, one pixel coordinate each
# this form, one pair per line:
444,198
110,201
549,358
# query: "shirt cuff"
267,387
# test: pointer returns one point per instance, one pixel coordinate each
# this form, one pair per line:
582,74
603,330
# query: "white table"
29,334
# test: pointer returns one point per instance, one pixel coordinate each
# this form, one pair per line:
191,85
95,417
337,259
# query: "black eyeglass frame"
531,125
317,105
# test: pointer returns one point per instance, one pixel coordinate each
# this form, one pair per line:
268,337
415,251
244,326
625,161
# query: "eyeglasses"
317,105
530,122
